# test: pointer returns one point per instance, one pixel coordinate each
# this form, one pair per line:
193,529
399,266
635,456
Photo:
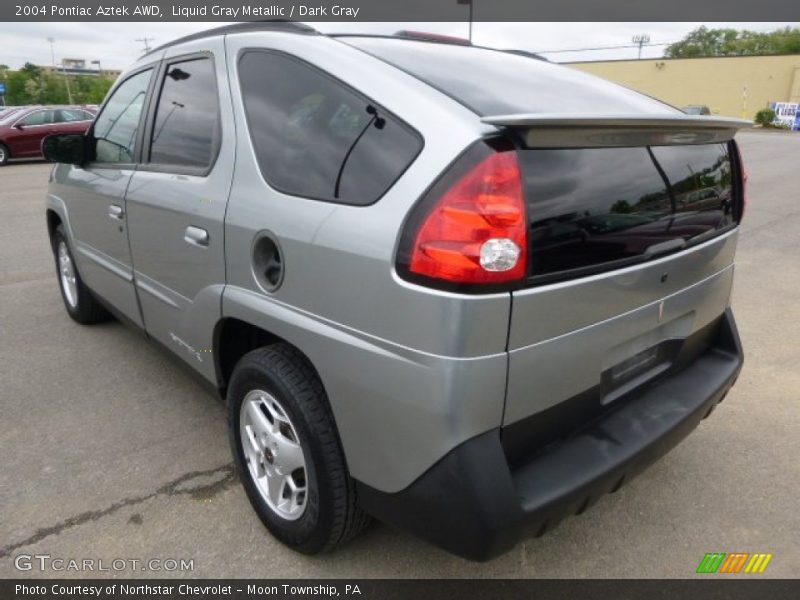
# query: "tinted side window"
314,137
116,127
186,127
41,117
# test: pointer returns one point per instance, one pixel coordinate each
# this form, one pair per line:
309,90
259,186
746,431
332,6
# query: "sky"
115,45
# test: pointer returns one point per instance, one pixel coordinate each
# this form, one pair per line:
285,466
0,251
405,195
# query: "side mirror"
69,148
19,126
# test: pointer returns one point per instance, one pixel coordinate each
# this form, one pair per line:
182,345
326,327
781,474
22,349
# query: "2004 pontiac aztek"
462,290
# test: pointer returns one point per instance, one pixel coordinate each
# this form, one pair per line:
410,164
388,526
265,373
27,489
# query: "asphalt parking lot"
108,450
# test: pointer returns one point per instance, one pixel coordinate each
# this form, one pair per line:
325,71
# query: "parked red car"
22,131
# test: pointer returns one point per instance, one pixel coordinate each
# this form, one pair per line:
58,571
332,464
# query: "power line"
775,33
603,48
146,41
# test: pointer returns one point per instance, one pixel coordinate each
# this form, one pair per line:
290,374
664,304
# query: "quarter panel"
339,260
397,410
409,372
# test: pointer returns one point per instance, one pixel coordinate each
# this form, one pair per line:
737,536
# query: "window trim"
89,135
144,163
260,50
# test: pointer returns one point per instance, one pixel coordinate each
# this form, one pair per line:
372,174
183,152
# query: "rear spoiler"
565,130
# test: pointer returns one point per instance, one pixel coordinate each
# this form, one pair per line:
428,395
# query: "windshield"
8,113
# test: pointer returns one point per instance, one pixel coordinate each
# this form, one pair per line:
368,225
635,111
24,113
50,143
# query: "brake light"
475,232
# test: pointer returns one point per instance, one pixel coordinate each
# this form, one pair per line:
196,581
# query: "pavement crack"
200,485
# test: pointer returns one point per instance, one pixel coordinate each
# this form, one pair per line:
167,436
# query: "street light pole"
52,51
63,68
66,79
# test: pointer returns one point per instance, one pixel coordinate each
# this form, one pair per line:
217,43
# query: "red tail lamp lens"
477,231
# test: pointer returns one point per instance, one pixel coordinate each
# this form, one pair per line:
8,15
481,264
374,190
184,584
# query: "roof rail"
526,53
286,26
426,36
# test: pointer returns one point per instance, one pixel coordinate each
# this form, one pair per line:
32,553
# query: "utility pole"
146,41
641,39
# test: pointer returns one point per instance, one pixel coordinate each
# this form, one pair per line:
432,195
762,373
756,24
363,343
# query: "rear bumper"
474,504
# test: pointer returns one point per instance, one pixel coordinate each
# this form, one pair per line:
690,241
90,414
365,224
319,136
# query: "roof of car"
303,29
285,26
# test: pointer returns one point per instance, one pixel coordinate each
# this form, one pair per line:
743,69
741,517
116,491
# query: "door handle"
115,212
196,236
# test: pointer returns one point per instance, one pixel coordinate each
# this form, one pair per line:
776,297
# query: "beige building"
734,86
78,66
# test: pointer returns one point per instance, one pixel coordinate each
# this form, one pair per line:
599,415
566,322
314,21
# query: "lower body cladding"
521,479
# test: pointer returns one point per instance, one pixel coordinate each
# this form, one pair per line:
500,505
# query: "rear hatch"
632,233
632,207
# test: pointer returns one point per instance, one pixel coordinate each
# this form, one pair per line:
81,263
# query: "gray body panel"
180,282
550,371
100,242
390,354
410,372
397,410
548,311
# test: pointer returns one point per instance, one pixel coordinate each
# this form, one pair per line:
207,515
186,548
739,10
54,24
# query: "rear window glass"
316,138
493,82
596,207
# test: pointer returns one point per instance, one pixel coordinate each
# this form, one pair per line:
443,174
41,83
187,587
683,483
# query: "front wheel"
3,155
287,451
78,300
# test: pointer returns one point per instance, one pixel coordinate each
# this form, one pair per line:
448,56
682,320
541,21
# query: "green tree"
621,207
31,69
33,90
732,42
30,85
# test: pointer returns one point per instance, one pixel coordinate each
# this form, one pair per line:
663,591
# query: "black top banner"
399,10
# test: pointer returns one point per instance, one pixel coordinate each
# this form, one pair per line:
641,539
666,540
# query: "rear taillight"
471,227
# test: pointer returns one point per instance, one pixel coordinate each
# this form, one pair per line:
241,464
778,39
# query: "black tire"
87,309
4,155
331,515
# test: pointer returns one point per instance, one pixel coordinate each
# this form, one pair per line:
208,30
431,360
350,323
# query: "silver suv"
450,287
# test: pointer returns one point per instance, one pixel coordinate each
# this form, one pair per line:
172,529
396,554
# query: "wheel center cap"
270,458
